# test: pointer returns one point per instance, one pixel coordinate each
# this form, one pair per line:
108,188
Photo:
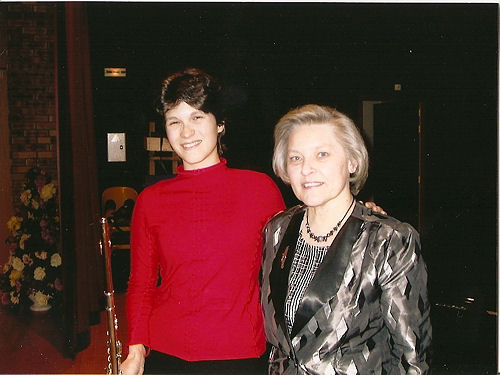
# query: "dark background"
272,57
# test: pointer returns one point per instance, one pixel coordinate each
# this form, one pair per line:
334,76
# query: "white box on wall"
116,147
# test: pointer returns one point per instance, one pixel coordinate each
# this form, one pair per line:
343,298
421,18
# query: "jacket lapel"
281,268
330,273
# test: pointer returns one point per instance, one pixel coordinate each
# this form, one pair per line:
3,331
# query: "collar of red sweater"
219,167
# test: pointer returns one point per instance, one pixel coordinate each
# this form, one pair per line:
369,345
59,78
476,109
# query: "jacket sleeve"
404,301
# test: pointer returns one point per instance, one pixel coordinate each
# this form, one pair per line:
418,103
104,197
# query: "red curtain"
80,207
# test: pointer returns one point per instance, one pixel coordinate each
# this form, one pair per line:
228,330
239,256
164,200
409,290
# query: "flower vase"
39,304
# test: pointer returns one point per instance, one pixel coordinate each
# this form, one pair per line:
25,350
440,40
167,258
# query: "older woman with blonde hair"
344,288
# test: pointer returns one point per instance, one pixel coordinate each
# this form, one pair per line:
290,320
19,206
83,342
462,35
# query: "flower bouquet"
33,271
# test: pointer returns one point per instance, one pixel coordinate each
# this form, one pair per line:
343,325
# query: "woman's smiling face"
317,165
192,134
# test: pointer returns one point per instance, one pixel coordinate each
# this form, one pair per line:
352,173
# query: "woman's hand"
374,207
134,364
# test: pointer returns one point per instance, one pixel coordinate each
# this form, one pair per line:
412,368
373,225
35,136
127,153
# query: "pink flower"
40,180
11,244
58,284
5,299
27,259
46,236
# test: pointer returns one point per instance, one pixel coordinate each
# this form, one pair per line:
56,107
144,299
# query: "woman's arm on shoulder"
374,207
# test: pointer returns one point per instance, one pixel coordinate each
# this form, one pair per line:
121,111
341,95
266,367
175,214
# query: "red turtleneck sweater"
202,229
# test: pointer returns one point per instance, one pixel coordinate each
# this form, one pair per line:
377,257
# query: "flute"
114,345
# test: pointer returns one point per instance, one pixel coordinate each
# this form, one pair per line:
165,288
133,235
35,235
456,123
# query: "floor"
31,343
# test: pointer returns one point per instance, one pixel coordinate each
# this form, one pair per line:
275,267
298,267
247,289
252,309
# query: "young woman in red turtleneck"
201,232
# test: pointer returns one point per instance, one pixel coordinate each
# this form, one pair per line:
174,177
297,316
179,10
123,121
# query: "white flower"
14,276
25,197
41,255
39,273
35,204
41,299
48,192
13,298
17,264
24,237
55,260
14,224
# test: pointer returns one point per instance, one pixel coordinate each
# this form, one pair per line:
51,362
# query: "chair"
118,195
117,208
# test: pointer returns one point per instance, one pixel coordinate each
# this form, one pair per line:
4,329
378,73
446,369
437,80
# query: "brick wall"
31,74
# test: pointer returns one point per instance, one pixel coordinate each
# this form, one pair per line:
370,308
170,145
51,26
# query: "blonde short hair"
344,128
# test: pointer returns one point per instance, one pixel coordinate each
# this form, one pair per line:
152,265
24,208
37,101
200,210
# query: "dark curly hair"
198,89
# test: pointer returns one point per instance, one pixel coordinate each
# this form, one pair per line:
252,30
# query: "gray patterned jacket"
366,310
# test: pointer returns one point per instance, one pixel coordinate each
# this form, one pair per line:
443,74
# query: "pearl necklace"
329,234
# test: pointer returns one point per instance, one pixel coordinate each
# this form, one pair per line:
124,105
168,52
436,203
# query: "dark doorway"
395,171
